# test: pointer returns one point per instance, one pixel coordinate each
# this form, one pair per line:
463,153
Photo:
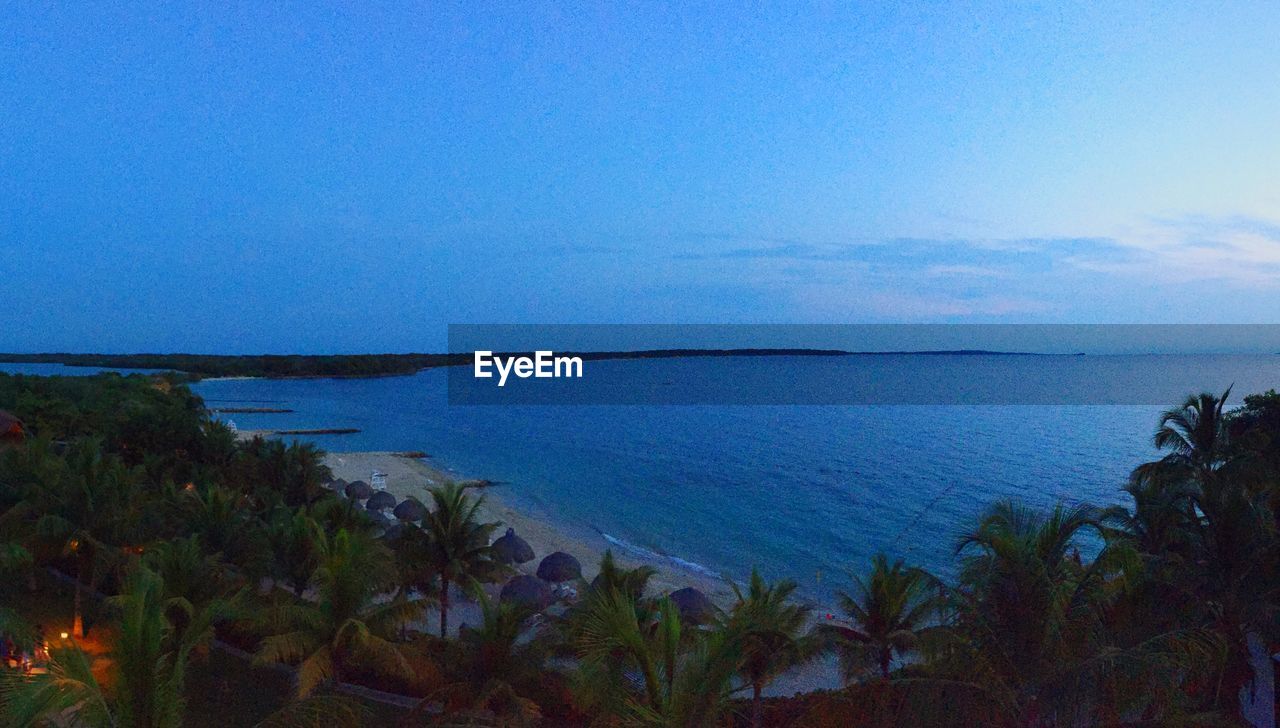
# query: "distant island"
285,366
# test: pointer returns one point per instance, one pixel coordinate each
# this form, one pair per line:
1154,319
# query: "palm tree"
684,679
85,513
68,688
1202,496
147,669
415,573
305,473
770,628
1025,603
633,582
1029,634
13,558
495,667
344,625
335,513
888,611
1236,550
1158,523
293,537
493,649
1196,434
457,546
187,571
273,470
224,522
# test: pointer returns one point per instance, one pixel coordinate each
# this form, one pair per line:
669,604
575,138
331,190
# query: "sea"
809,492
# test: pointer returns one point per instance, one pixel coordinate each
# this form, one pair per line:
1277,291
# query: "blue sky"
311,177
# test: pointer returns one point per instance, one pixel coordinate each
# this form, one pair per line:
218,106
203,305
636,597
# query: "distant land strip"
287,366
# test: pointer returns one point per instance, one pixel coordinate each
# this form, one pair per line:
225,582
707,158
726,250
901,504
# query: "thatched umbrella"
511,549
694,606
410,510
381,500
527,591
559,567
338,485
359,490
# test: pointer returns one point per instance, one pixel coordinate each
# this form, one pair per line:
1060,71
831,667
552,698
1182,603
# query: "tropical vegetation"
180,541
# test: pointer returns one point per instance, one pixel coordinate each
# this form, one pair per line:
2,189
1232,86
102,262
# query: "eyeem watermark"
542,365
859,364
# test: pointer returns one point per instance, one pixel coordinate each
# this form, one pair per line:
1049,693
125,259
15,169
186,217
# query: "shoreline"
410,476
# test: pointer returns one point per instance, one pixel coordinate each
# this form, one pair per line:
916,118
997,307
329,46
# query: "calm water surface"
802,491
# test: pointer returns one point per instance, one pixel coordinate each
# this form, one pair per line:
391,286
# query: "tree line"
351,365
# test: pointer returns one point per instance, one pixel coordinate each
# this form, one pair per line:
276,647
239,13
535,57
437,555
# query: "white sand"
412,477
407,476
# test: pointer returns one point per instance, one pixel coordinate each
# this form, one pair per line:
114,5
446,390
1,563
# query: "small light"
65,635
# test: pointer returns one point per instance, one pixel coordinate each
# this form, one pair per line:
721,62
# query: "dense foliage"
1135,615
265,365
347,365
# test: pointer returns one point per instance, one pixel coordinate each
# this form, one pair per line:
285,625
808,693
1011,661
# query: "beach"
409,476
412,477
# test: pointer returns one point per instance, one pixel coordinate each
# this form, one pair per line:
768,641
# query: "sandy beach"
410,476
407,476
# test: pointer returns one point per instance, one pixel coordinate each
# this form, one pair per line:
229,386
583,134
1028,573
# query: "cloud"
957,271
941,306
1065,278
1239,250
936,258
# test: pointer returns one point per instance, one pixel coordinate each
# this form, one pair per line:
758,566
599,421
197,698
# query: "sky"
315,177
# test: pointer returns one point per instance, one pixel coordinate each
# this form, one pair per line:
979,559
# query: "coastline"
410,476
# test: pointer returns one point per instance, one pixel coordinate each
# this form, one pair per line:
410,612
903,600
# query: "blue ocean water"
808,492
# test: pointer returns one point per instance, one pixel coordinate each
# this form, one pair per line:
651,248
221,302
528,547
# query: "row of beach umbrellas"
536,593
532,591
694,606
409,509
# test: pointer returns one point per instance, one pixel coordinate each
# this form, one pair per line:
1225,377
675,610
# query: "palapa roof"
527,591
410,509
559,567
511,549
380,500
359,490
694,606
